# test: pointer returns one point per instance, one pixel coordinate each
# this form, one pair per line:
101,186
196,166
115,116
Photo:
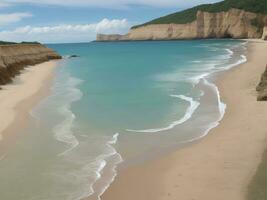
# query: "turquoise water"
117,103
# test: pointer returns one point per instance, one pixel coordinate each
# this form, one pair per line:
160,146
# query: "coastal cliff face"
111,37
262,87
13,58
234,23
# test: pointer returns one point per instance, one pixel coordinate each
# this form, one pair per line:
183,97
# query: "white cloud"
65,32
116,3
12,18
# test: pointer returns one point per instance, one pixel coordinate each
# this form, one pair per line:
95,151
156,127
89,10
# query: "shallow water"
116,103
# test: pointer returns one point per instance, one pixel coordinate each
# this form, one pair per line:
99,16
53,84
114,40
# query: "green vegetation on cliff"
10,43
189,15
6,43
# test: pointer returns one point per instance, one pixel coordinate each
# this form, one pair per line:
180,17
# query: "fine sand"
221,165
17,99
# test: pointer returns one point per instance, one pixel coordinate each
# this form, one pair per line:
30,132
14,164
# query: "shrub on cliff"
189,15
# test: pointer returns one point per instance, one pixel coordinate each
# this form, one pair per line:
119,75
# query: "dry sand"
17,99
218,167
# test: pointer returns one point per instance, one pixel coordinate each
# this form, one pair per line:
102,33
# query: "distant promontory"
226,19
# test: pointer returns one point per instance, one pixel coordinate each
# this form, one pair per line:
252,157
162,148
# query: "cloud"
65,32
12,18
115,3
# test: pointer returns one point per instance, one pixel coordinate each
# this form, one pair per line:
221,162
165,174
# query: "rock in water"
74,56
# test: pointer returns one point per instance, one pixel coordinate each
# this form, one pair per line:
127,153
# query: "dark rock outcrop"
262,87
74,56
71,56
15,57
264,34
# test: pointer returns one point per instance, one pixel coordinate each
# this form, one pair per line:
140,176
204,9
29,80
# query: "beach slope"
18,98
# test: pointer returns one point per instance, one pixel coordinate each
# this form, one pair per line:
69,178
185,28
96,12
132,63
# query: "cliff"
15,57
111,37
262,87
234,23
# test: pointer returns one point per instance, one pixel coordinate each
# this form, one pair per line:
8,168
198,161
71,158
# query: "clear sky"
57,21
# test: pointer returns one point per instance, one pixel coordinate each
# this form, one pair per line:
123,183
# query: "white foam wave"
114,139
188,114
196,79
96,168
99,165
94,171
222,109
242,60
63,131
230,51
222,106
114,168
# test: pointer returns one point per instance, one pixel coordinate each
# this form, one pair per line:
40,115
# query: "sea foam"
69,93
117,160
209,70
188,114
222,108
221,105
99,165
63,131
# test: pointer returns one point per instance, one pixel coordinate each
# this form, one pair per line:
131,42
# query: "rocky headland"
234,23
227,19
15,57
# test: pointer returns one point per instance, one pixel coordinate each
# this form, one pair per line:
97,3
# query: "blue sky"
56,21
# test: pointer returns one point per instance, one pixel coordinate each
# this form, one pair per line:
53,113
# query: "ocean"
115,105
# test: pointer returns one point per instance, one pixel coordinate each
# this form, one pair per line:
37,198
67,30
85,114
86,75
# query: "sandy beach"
19,97
221,165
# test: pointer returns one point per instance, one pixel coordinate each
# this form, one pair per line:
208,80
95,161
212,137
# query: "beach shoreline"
219,166
18,98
